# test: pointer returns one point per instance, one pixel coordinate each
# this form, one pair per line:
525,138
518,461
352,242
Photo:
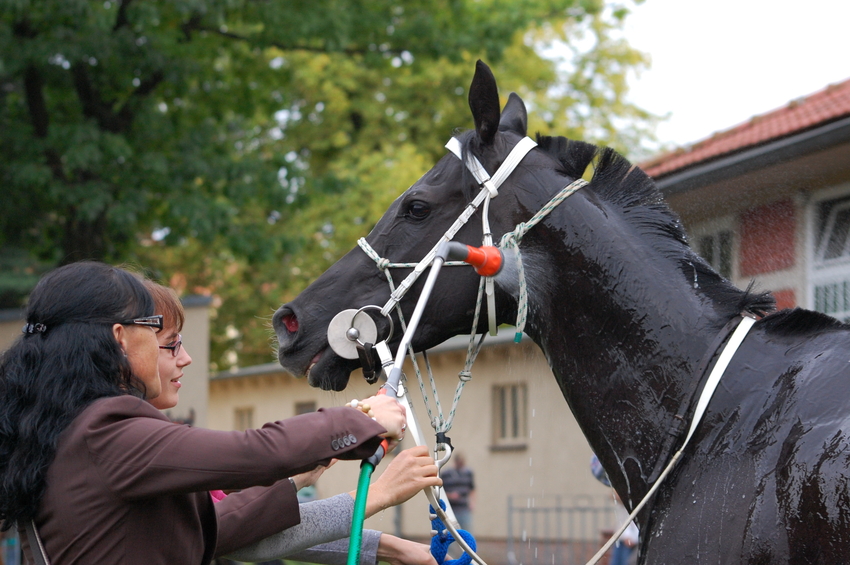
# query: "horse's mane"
797,322
618,182
624,185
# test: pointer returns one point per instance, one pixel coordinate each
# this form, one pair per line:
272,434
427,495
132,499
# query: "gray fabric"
336,552
322,521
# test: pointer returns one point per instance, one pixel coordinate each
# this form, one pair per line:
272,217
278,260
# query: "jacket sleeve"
336,552
139,453
248,516
321,521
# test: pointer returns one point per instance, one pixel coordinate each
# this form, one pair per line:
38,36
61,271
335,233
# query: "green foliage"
237,148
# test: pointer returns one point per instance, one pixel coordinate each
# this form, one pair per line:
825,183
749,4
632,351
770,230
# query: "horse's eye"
418,210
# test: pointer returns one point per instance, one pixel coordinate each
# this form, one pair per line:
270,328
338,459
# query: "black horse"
625,312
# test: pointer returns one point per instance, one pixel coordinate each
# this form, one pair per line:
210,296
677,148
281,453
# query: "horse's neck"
623,335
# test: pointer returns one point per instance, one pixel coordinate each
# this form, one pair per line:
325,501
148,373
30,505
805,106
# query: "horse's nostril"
290,322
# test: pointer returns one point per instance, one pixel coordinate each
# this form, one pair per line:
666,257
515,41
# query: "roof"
801,114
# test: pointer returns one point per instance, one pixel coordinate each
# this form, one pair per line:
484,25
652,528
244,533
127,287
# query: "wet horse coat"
624,312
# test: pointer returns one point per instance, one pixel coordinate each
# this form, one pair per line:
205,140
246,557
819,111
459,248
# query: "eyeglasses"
150,321
175,346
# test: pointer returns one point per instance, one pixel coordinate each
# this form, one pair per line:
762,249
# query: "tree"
214,141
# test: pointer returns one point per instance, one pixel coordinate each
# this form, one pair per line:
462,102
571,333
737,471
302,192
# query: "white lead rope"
702,404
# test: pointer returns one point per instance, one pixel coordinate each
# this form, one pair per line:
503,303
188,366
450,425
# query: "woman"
102,474
322,520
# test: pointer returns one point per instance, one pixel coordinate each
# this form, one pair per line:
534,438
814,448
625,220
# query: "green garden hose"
359,517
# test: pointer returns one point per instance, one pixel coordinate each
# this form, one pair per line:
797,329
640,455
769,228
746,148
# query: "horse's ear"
484,102
514,117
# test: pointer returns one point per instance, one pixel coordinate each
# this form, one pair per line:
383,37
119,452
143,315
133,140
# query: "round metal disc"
338,332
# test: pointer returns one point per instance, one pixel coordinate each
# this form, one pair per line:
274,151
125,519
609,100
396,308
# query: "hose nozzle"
487,260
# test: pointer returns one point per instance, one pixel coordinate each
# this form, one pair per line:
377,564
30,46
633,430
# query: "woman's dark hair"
66,359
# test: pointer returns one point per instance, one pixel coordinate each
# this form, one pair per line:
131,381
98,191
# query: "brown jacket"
129,487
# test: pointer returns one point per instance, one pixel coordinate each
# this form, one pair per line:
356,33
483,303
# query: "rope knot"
519,232
383,263
511,239
465,375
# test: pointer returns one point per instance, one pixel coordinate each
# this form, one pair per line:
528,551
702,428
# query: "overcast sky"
716,64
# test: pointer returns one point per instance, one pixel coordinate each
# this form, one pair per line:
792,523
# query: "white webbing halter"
489,189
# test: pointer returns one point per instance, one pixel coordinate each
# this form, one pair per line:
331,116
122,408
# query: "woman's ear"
120,334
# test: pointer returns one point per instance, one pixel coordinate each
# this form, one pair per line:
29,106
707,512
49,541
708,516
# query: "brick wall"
768,238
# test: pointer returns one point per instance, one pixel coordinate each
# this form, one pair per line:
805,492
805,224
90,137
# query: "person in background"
103,476
322,521
459,484
624,551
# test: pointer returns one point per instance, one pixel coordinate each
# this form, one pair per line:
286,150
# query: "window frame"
715,228
239,417
510,416
305,407
821,272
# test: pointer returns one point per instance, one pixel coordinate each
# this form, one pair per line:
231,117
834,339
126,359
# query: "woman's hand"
408,473
310,477
397,551
389,413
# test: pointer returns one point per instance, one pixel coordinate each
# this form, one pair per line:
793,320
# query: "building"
769,200
512,424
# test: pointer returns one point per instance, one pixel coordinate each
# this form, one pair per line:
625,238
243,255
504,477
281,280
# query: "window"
716,249
510,415
305,407
830,278
243,419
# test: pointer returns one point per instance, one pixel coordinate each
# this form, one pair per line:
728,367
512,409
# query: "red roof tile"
824,106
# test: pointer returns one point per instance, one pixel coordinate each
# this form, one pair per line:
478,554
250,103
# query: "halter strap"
746,323
677,427
493,183
489,189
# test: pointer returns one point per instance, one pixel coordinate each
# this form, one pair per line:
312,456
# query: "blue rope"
443,539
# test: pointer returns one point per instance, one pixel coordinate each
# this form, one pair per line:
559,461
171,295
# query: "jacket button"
346,441
352,439
335,445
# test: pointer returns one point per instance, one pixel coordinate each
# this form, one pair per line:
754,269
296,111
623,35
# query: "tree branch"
34,90
94,107
121,19
194,24
40,117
